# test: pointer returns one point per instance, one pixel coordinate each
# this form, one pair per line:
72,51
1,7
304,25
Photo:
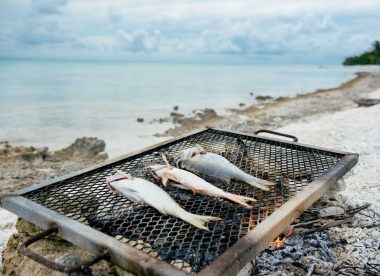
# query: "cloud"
47,6
45,32
242,28
270,36
38,27
139,41
95,42
115,16
134,41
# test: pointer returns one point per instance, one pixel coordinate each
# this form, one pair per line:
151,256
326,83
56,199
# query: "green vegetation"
369,57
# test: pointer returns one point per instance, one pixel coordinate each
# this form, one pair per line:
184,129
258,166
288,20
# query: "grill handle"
51,264
295,139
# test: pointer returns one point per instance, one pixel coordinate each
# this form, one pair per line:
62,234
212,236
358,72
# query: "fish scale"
144,192
197,160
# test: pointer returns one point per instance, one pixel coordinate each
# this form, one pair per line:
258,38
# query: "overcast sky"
237,31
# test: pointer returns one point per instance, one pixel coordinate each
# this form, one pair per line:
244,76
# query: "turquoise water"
50,103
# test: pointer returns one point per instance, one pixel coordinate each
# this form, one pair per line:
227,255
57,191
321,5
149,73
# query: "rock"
241,104
201,118
264,98
37,154
206,113
24,166
251,94
53,248
163,120
140,120
282,99
175,108
176,117
160,120
70,259
331,211
86,147
366,101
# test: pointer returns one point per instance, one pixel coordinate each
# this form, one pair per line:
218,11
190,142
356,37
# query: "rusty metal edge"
108,162
90,239
245,249
284,141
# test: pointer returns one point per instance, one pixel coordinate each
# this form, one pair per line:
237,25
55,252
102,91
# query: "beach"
51,103
326,117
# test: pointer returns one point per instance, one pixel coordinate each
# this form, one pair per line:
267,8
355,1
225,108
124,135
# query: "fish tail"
199,221
259,183
240,199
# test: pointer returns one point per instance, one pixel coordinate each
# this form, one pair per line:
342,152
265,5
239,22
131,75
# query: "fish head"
117,177
155,170
179,158
187,154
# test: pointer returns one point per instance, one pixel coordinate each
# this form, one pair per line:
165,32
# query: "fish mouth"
178,161
109,183
110,187
147,170
152,172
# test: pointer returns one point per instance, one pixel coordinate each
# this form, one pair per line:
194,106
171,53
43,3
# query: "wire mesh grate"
87,199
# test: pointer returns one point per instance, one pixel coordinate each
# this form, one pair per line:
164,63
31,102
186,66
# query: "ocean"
51,103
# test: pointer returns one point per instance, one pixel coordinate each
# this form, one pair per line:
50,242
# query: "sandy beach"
329,118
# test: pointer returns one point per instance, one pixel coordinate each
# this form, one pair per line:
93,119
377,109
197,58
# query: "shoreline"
273,113
181,116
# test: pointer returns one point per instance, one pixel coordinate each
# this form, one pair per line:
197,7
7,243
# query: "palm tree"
376,47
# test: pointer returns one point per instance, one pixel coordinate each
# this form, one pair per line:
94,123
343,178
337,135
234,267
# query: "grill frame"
228,263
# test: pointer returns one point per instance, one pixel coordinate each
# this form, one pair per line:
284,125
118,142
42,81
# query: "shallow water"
50,103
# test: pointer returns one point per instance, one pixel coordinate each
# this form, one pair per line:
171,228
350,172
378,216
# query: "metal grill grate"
87,199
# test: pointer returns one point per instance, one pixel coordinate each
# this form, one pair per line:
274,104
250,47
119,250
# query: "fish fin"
239,199
199,221
195,191
162,211
265,182
180,186
227,180
124,174
197,149
171,176
165,159
164,181
260,183
200,149
246,198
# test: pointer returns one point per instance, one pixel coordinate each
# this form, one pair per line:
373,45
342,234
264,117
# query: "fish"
144,192
198,160
197,185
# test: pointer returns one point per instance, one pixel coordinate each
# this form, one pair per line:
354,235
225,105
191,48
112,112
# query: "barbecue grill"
83,211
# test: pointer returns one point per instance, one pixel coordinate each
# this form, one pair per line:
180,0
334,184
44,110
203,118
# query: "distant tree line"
369,57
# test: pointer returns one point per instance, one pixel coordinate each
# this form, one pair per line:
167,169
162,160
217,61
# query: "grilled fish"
188,180
144,192
197,160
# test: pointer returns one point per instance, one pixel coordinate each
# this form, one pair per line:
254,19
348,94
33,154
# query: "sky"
255,31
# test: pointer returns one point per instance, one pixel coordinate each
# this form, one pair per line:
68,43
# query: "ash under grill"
86,198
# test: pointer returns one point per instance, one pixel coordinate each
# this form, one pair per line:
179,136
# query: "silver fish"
197,185
144,192
197,160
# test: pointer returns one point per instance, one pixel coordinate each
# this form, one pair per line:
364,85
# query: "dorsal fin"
124,174
165,159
